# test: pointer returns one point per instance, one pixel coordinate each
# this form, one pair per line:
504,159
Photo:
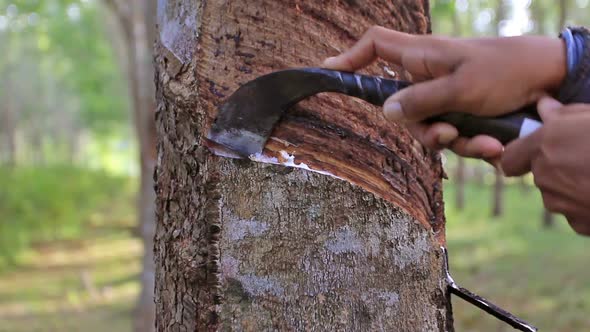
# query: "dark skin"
490,77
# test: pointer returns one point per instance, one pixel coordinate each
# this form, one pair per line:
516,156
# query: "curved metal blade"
246,119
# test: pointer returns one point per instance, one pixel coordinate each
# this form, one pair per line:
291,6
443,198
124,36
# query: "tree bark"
249,246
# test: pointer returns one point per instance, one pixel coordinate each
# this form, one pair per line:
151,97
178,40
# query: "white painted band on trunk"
528,127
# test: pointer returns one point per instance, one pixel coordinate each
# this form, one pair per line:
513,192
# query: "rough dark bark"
242,245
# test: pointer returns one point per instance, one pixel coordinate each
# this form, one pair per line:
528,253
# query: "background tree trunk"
460,183
144,31
498,197
460,171
548,217
563,7
249,246
8,124
137,23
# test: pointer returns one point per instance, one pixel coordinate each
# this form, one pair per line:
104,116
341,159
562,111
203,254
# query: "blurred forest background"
77,152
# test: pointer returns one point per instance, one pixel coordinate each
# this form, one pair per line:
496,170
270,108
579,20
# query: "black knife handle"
505,128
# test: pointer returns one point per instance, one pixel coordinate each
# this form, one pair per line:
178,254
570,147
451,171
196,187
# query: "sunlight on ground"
84,285
537,274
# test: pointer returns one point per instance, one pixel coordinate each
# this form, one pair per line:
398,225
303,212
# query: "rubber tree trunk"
252,246
460,171
548,217
8,125
498,197
460,183
144,36
136,20
498,194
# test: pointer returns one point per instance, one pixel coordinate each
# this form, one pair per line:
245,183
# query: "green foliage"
86,285
43,204
442,8
536,273
60,72
484,17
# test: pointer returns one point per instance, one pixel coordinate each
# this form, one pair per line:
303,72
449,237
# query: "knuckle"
547,158
552,203
539,176
507,165
409,103
374,31
457,93
575,108
537,180
579,226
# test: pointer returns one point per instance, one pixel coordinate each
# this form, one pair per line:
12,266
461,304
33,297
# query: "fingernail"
446,137
393,111
548,103
329,62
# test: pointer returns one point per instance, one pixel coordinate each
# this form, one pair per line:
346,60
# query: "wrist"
558,70
576,86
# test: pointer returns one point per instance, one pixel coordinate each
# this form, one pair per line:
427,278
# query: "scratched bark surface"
248,246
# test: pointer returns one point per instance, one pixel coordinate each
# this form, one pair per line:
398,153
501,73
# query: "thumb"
548,108
519,154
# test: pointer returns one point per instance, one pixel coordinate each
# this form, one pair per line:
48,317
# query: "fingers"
548,108
376,42
579,225
425,57
442,135
481,146
435,136
518,155
421,101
